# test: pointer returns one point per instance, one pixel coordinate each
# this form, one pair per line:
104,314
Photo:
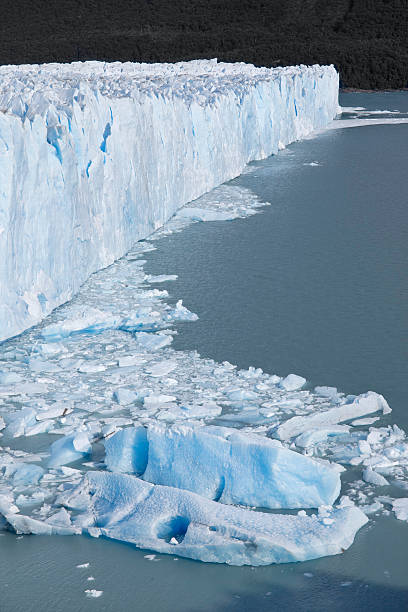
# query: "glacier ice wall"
95,156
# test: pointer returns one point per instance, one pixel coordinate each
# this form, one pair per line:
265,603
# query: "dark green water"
316,284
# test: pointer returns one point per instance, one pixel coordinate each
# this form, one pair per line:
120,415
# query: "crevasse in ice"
94,156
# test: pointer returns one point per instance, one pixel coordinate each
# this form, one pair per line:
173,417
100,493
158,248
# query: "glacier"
223,464
95,156
100,374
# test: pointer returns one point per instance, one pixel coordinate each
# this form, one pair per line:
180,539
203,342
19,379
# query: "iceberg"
366,403
169,520
69,448
95,156
224,465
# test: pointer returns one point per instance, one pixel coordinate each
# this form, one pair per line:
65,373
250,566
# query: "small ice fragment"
150,557
130,360
400,507
346,584
91,368
203,214
153,342
8,378
162,368
90,578
361,422
93,593
363,404
160,278
292,382
369,475
308,574
330,392
69,449
154,399
181,313
125,396
83,565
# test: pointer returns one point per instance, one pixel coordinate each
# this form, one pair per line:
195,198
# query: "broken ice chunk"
292,382
37,364
8,378
162,368
19,421
160,278
229,466
170,520
156,399
181,313
205,214
130,360
52,412
125,396
329,392
69,448
24,473
153,342
90,320
320,434
373,477
28,525
400,507
93,593
362,405
7,505
361,422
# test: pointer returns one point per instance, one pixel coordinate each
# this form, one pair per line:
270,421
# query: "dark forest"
367,40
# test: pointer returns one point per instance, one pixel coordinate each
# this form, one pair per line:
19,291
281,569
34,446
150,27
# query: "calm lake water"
315,284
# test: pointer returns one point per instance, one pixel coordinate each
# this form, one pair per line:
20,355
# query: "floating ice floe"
400,507
223,465
69,448
364,404
174,521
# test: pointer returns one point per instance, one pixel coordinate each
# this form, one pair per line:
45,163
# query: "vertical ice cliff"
95,156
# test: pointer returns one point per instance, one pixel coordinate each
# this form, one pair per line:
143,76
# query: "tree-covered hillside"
367,40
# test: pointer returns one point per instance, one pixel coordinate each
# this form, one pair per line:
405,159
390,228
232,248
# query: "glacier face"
95,156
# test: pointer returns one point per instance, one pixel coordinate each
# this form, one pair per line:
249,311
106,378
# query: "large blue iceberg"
170,520
224,465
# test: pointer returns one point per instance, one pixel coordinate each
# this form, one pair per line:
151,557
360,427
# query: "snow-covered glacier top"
29,89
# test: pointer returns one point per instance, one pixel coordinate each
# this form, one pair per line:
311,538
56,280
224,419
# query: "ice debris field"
108,431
